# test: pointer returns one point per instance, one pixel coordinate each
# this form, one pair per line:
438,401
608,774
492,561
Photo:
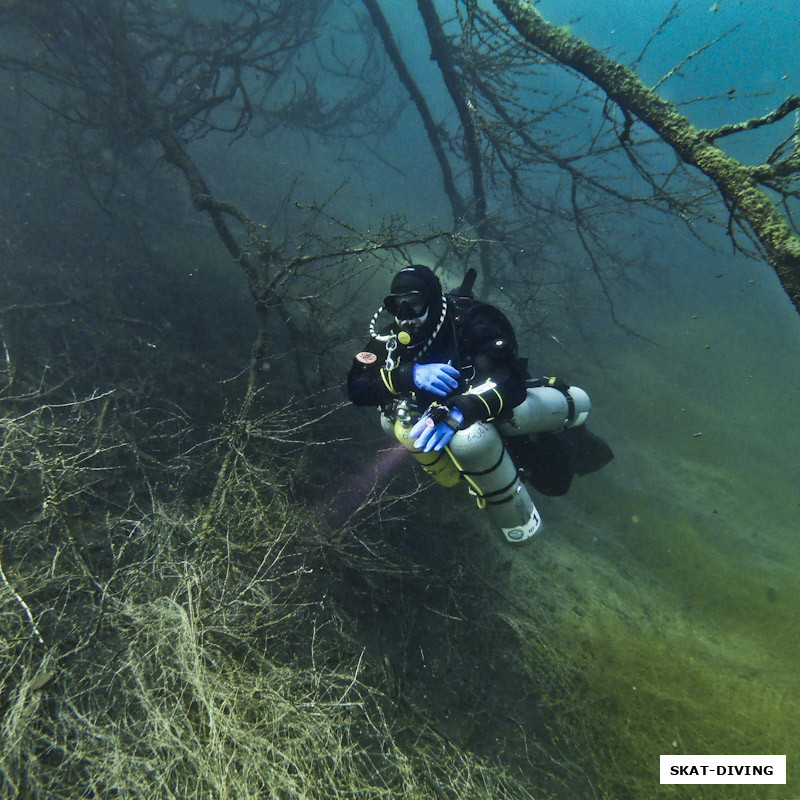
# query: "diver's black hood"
419,278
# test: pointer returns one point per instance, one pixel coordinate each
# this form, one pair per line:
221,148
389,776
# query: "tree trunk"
440,53
431,129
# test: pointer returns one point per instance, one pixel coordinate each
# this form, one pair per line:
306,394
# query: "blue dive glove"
430,435
438,379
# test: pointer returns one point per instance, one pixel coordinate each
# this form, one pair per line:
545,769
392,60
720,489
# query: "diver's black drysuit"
479,341
476,338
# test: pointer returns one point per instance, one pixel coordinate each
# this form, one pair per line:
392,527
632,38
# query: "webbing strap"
504,489
561,386
500,502
486,471
474,486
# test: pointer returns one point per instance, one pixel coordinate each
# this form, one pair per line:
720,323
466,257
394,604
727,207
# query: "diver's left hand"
434,437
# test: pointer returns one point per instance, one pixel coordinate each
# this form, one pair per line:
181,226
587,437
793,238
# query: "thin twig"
25,607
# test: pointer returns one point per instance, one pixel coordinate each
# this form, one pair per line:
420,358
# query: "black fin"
545,461
549,461
589,452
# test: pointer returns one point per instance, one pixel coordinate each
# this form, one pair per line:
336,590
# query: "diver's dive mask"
409,309
406,305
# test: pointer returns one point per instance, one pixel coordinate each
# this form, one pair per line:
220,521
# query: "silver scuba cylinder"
547,408
481,456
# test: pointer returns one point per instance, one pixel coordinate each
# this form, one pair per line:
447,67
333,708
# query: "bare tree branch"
734,181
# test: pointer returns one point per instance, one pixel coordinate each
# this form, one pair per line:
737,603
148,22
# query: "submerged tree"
533,177
747,191
494,68
524,167
131,73
127,73
123,76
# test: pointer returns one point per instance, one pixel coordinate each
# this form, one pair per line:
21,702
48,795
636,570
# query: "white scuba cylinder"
547,409
481,456
388,425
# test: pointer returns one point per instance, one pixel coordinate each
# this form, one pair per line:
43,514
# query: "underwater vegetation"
217,578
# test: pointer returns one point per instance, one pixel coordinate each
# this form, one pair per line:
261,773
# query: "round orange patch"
366,358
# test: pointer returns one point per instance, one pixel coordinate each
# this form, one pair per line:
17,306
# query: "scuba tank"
482,458
479,454
551,405
439,465
479,457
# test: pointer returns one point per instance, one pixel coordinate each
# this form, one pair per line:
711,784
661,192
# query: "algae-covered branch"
740,186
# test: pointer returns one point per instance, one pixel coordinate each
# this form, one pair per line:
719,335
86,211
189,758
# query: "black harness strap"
559,385
487,471
504,489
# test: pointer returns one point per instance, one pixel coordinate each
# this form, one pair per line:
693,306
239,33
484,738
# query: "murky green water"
674,569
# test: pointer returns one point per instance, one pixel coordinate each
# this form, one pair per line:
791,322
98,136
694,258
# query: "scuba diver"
451,387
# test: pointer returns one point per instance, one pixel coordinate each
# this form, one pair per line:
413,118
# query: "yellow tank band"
481,501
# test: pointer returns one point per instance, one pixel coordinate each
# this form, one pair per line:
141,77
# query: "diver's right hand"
438,379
